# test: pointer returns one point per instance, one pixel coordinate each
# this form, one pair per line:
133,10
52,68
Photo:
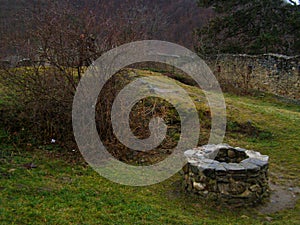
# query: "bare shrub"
140,117
62,44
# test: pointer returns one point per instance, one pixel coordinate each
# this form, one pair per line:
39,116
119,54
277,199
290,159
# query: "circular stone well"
234,176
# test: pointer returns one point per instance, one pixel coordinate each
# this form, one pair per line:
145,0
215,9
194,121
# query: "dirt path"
281,198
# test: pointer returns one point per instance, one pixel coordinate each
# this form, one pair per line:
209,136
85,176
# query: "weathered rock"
189,153
199,186
237,188
194,168
220,170
255,188
256,161
231,154
233,167
223,188
250,167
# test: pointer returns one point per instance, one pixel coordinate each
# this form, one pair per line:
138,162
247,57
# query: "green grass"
62,191
277,118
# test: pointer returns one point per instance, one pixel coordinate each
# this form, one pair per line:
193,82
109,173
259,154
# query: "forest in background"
167,20
207,27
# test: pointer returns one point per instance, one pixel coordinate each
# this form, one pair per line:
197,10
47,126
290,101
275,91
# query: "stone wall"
224,174
272,73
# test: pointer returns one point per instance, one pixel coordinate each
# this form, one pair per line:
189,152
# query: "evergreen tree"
253,27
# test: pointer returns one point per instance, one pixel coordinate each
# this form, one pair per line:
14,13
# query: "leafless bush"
62,42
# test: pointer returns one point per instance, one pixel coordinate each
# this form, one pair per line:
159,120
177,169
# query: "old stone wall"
272,73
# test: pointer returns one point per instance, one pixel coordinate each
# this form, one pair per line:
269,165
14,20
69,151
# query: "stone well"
234,176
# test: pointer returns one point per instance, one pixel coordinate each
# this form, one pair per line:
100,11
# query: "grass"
63,191
282,121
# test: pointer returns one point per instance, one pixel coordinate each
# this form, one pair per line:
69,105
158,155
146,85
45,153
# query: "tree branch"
292,2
